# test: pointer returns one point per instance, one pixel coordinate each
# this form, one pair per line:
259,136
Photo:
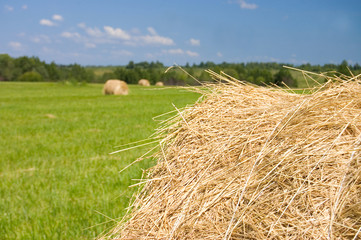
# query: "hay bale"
116,87
255,163
144,82
159,84
49,115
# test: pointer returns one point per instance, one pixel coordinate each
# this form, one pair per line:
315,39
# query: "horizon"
187,63
232,31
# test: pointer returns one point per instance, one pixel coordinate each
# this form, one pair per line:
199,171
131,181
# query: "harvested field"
249,162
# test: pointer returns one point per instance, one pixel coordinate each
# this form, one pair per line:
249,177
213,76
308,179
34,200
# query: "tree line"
33,69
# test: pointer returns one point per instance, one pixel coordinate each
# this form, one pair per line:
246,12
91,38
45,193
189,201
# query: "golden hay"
144,82
249,162
159,84
116,87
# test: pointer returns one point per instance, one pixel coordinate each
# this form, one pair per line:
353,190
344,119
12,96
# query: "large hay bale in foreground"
255,163
144,82
116,87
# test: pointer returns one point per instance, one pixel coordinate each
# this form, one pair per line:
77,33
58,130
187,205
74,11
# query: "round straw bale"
255,163
116,87
144,82
159,84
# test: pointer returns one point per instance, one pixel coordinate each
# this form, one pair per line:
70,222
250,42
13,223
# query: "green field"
57,178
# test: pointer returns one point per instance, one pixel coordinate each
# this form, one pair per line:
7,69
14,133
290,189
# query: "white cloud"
82,25
117,33
57,17
114,34
132,43
70,34
192,54
9,8
219,54
41,39
95,32
135,31
121,53
155,39
46,22
178,51
152,31
244,5
24,7
50,23
90,45
194,42
48,50
174,51
15,45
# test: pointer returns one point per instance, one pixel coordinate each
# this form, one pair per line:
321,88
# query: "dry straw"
250,162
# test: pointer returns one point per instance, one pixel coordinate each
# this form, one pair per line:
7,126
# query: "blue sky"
113,32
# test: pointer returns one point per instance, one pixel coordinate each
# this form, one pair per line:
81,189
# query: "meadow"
57,178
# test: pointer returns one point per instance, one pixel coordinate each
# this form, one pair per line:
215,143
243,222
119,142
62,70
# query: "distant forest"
260,73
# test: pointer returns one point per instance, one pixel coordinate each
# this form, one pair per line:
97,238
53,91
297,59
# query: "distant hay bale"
49,115
159,84
251,162
116,87
144,82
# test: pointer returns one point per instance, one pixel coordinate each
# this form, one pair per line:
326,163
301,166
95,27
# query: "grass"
57,180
